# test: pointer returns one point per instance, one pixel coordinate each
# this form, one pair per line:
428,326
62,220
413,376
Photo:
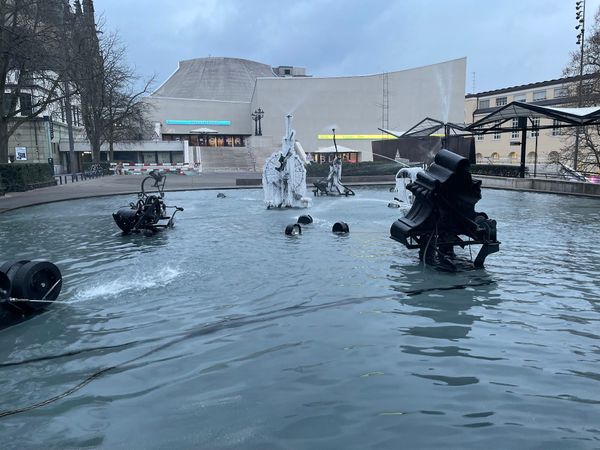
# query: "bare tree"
125,114
584,93
111,105
30,64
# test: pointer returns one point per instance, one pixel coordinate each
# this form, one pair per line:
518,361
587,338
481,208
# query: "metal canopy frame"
493,123
569,116
525,113
428,127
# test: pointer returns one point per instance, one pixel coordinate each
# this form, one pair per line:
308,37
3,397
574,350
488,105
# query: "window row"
514,158
207,140
516,132
536,96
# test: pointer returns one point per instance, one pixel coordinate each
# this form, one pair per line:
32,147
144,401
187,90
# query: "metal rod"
579,100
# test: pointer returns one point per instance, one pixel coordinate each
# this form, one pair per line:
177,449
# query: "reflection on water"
225,333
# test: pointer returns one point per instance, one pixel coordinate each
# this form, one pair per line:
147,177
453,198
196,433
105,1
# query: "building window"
501,101
535,125
25,104
520,98
495,157
8,99
480,137
484,104
479,158
553,156
539,95
556,131
530,157
516,133
497,135
513,157
561,92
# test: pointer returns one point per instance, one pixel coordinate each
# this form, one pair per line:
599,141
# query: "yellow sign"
369,137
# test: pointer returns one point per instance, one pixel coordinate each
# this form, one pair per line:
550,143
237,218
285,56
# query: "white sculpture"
404,198
284,174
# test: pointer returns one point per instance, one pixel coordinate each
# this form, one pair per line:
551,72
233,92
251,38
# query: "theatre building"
230,113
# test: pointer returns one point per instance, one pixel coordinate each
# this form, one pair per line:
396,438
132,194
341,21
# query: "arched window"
512,156
530,157
479,158
495,156
553,157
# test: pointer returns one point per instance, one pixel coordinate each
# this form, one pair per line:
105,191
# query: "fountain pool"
226,333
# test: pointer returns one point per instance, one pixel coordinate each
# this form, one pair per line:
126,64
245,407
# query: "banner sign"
21,153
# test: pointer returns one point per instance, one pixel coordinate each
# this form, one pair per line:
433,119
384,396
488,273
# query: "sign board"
370,137
21,153
198,122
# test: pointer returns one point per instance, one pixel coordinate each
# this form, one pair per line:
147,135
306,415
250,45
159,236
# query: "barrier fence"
143,168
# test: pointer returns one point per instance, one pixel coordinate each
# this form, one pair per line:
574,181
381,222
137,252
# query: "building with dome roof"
208,103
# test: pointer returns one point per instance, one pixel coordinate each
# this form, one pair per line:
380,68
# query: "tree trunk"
95,144
68,113
3,141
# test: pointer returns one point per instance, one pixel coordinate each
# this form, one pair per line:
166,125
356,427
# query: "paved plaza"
121,184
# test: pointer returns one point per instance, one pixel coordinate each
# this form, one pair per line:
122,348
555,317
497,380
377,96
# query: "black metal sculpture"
27,288
332,184
149,213
443,210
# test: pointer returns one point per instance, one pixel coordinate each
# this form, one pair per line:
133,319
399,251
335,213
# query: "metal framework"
525,113
495,122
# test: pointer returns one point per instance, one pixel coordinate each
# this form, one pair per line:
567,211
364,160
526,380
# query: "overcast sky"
506,42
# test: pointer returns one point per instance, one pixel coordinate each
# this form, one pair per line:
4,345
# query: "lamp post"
580,16
257,115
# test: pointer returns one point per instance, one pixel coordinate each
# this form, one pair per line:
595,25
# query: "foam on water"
127,283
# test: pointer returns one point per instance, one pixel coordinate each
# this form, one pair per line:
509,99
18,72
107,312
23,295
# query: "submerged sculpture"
443,210
332,185
27,288
284,174
149,213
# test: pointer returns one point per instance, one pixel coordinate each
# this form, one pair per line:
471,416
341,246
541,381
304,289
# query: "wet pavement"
124,184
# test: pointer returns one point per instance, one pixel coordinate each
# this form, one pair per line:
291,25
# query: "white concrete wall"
354,104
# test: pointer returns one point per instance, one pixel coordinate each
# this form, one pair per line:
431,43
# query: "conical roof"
225,79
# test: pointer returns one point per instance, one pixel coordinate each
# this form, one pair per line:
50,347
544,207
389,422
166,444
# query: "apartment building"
504,148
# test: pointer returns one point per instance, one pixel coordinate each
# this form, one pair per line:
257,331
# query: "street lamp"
257,115
580,16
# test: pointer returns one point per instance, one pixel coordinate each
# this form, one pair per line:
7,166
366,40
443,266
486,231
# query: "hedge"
380,168
497,170
355,169
18,177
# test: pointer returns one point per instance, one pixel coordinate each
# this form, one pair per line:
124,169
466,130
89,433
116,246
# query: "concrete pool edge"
106,187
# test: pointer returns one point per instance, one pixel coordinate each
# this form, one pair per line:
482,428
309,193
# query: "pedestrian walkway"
116,185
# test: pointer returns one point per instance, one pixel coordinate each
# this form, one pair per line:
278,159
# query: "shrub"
496,170
18,177
355,169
